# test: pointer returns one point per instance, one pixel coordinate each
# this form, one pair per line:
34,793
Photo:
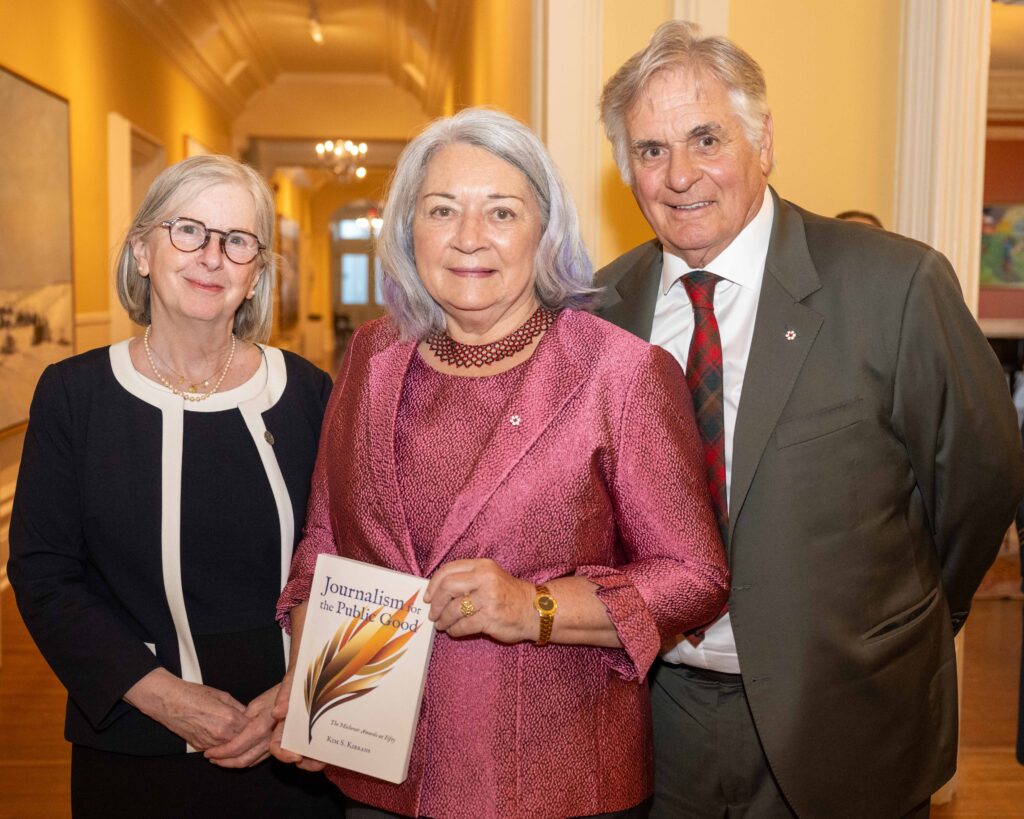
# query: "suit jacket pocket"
818,424
904,620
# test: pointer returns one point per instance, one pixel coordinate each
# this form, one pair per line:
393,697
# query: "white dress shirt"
741,268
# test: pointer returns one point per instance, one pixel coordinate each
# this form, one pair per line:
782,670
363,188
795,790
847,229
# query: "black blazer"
86,541
876,466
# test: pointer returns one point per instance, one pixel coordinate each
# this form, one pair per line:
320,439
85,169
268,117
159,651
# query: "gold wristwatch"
546,608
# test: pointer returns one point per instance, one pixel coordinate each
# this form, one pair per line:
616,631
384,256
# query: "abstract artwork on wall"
36,325
1002,246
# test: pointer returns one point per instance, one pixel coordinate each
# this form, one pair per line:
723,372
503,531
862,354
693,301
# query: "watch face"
545,603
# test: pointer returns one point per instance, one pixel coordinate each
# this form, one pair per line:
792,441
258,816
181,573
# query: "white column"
941,137
566,87
711,15
941,149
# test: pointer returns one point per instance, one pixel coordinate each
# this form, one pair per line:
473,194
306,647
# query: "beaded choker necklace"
191,395
457,354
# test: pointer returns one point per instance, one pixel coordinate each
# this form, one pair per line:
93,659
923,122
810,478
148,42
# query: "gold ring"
467,608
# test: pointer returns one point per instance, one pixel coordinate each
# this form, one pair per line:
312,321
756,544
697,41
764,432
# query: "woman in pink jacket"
541,466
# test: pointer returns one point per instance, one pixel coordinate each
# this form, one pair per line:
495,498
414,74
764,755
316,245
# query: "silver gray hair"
561,265
679,44
168,197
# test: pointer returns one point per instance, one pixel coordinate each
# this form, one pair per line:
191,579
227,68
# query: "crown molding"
1005,132
248,68
331,78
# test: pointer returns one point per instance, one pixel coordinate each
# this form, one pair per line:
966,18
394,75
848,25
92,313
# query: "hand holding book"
362,623
298,617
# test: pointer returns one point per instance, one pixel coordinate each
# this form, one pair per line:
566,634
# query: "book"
360,670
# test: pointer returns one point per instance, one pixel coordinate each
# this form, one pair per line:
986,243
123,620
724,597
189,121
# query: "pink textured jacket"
602,477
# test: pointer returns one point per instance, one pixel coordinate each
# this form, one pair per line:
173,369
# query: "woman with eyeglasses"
162,487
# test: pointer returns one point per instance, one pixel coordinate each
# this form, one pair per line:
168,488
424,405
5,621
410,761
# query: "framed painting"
1002,246
287,274
36,310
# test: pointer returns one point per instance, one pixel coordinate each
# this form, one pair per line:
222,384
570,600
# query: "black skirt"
106,785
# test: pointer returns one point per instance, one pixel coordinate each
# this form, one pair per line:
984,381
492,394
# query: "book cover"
359,675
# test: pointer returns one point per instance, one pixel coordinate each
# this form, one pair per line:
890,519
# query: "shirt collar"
741,262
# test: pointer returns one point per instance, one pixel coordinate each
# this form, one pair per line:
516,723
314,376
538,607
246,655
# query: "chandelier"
341,157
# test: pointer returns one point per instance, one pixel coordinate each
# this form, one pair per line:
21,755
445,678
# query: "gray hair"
561,265
679,44
167,196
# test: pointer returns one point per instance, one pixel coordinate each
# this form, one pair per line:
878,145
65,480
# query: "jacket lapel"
552,378
784,331
632,290
387,375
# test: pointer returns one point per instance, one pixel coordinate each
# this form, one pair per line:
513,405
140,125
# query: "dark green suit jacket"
876,466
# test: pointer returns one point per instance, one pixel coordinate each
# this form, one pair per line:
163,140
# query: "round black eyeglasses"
190,235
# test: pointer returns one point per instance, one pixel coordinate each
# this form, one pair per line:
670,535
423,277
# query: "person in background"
861,446
162,486
539,465
861,216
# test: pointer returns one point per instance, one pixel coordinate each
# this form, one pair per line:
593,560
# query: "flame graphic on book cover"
359,656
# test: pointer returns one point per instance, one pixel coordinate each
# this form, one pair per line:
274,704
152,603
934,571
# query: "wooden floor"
34,759
990,783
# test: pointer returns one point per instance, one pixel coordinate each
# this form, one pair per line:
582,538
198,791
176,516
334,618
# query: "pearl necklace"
191,395
193,386
457,354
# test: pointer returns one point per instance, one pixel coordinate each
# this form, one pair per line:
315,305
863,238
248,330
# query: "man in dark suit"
861,449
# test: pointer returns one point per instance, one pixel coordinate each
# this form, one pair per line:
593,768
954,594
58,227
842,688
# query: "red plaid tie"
704,377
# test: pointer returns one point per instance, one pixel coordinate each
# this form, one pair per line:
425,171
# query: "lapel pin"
515,420
268,436
790,334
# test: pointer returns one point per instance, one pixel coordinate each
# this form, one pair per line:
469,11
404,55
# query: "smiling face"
476,229
205,285
696,177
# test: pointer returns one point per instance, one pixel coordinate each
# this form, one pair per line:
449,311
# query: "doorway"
355,269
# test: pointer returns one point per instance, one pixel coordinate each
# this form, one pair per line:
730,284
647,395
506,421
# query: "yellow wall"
493,63
833,86
92,54
626,28
291,197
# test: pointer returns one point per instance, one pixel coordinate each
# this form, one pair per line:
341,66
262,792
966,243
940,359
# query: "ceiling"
1008,36
234,48
1006,74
